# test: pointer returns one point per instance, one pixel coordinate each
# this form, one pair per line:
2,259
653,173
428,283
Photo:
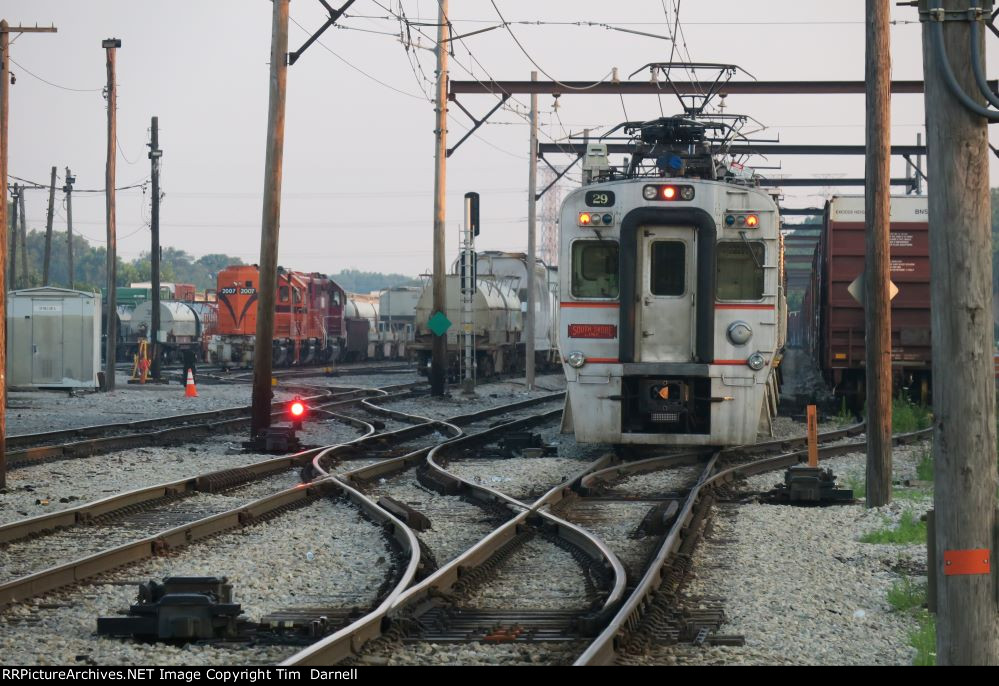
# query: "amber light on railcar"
596,219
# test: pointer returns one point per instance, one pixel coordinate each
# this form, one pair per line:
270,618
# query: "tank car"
512,267
397,314
671,296
497,327
180,328
308,320
361,324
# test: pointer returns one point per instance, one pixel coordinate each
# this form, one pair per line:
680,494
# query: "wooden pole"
4,115
964,436
68,189
438,362
532,232
813,436
877,207
110,350
270,226
48,230
154,255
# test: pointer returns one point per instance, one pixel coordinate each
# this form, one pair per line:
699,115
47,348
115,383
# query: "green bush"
909,530
924,470
907,417
924,640
907,595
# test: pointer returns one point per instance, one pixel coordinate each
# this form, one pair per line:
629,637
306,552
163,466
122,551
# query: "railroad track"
141,515
28,449
432,611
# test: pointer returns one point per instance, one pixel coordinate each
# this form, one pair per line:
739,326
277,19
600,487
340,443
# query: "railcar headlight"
739,333
756,362
687,192
650,192
575,359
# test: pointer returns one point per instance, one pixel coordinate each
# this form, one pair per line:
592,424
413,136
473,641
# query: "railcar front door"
665,298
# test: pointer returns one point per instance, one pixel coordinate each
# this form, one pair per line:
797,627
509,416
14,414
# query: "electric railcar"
672,310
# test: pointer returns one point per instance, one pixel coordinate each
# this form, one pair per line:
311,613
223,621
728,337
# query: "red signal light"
297,408
669,192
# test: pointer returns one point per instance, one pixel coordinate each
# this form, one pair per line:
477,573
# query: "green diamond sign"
439,324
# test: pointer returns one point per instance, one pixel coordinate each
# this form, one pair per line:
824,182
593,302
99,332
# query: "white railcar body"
671,310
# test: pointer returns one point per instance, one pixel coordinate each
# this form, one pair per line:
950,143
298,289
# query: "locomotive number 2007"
599,198
242,291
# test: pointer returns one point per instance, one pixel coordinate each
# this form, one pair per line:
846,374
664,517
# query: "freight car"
397,317
181,328
496,327
361,325
671,294
309,325
832,317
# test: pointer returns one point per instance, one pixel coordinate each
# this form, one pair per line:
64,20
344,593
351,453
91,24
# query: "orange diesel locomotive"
308,321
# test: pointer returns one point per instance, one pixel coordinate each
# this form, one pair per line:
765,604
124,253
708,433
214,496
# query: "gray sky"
358,162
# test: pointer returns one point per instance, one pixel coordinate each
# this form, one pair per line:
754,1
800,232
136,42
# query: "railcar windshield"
740,270
595,269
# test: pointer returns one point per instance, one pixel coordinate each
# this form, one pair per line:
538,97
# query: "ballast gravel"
455,524
37,411
268,564
53,486
563,653
800,585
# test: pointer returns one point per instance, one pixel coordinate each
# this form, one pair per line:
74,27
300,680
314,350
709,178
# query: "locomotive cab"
670,311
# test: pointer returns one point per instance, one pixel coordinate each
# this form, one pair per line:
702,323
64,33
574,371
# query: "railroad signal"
297,409
472,206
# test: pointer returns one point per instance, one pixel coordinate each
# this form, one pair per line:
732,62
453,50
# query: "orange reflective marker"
813,437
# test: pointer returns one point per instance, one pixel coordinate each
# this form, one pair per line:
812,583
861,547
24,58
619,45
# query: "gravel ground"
537,575
34,411
659,482
33,555
799,584
350,561
523,478
479,654
455,524
486,395
615,522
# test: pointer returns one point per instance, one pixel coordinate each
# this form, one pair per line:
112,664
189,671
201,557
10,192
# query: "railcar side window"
669,268
595,269
739,271
283,294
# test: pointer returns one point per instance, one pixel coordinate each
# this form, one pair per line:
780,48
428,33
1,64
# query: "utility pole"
154,256
877,277
271,223
532,227
438,363
5,31
68,190
15,200
48,230
964,435
111,46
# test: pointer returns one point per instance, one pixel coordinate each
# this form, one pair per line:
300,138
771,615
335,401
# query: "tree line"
176,266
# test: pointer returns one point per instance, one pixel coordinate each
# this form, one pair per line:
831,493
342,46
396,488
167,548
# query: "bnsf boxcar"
308,319
834,319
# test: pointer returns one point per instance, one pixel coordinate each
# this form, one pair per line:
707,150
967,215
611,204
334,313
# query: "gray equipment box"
53,338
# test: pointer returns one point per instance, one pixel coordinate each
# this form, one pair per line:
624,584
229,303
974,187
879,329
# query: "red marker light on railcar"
669,192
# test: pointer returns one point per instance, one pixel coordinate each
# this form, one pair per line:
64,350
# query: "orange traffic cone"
191,391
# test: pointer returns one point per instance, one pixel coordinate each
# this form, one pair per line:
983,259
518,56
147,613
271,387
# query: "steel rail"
603,650
349,640
99,445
